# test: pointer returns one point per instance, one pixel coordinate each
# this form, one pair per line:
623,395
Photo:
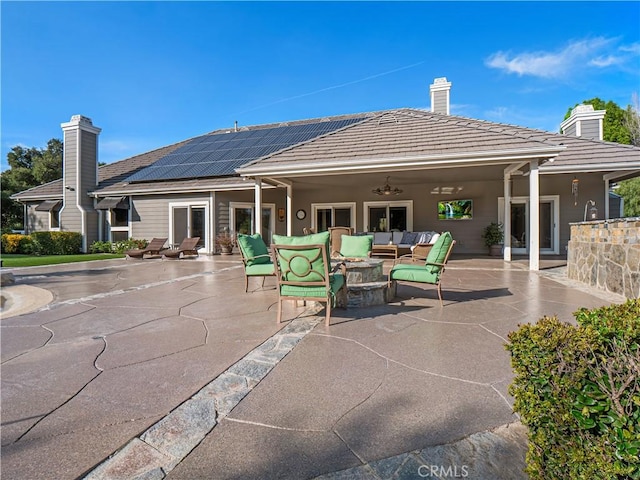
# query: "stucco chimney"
440,95
584,122
79,176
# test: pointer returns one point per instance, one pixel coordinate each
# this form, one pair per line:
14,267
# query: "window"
388,216
324,216
54,217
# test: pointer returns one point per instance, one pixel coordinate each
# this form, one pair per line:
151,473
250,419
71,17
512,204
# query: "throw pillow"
356,246
252,247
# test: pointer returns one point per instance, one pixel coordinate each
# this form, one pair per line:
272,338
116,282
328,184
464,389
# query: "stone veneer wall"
606,254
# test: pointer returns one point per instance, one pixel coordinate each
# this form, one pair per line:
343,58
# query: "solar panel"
219,154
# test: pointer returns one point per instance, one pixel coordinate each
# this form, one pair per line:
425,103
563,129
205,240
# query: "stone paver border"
163,446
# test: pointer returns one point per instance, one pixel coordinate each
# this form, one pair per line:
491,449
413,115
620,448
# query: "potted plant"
493,238
225,242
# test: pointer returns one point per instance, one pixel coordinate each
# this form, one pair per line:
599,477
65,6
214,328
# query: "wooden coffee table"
385,251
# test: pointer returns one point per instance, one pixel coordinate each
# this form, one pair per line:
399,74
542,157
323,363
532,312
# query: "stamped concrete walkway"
167,369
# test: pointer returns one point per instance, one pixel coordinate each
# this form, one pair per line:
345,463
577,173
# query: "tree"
621,126
28,167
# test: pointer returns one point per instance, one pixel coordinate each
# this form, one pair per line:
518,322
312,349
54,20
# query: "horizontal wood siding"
88,167
70,216
570,130
36,221
590,129
150,215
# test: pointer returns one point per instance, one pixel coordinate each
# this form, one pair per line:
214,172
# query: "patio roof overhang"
387,164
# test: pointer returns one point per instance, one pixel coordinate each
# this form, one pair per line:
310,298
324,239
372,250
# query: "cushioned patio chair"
303,271
430,272
255,257
335,238
186,247
154,247
355,246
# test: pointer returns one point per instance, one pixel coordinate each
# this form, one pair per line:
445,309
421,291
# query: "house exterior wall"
590,129
223,199
149,215
36,221
571,130
70,218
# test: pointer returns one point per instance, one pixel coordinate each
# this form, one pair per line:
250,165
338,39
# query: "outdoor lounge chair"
186,247
255,257
154,247
335,238
431,271
303,271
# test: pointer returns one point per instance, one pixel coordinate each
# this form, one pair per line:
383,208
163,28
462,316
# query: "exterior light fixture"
574,190
387,189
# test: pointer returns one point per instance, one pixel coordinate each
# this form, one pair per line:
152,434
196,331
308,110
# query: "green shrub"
56,243
124,245
101,247
16,243
577,388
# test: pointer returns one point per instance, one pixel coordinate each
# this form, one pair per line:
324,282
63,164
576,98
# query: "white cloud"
599,52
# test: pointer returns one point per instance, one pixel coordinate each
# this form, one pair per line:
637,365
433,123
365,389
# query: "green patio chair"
255,257
303,271
431,271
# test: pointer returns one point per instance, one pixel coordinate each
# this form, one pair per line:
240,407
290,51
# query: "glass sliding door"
188,221
325,216
388,216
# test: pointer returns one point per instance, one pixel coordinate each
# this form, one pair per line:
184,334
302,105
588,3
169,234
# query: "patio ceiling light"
387,189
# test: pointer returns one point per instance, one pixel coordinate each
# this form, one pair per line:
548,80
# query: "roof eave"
244,185
406,162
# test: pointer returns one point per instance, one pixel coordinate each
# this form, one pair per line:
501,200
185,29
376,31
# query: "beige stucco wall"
606,255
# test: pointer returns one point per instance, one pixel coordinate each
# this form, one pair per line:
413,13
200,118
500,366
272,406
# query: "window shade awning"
108,203
48,205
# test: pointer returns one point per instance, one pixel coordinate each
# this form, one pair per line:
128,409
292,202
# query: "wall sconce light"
574,190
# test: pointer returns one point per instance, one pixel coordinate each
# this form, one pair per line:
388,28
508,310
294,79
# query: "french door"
242,219
548,228
189,220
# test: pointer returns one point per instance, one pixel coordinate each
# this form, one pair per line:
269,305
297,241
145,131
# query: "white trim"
332,206
186,189
388,203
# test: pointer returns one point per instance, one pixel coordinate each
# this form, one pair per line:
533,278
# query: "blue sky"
154,73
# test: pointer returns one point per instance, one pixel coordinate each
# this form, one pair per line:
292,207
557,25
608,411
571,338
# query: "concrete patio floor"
172,365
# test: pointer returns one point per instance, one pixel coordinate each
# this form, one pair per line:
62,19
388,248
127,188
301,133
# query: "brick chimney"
80,176
584,122
440,95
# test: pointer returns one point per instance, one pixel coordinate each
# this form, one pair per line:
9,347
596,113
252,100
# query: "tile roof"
391,134
409,133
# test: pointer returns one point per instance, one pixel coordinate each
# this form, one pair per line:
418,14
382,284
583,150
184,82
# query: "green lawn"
15,260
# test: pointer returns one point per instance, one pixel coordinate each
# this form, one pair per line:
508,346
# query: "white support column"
534,216
607,199
289,210
506,226
258,206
